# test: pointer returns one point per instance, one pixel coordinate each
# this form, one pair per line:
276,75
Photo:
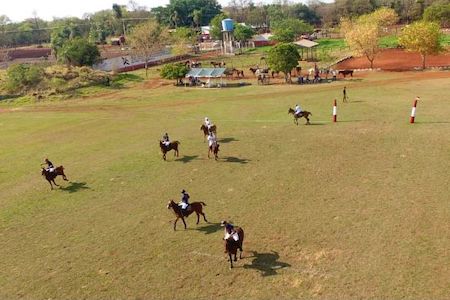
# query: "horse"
172,146
214,148
263,78
304,114
239,73
212,129
346,72
275,72
50,176
216,64
196,207
253,70
232,246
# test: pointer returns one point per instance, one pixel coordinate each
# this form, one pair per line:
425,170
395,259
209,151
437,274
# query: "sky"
18,10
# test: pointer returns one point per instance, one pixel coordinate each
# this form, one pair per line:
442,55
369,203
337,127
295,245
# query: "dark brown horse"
346,72
50,176
205,130
232,246
214,148
196,207
239,73
304,114
172,146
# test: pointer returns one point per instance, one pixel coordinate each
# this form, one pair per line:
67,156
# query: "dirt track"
396,59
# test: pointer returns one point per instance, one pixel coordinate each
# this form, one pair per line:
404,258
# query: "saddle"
186,210
300,114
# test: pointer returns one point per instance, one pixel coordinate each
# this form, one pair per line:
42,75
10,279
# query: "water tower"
227,36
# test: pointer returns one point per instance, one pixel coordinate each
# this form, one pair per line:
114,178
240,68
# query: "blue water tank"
227,25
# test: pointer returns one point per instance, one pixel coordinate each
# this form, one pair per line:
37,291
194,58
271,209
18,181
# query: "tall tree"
216,26
147,39
422,37
283,57
363,34
439,13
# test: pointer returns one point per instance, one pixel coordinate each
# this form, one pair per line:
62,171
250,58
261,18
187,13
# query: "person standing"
344,94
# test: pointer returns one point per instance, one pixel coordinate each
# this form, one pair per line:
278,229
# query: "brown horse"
214,148
204,128
172,146
232,246
196,207
304,114
50,176
239,73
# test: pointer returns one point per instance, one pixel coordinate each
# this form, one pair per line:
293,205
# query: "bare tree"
147,39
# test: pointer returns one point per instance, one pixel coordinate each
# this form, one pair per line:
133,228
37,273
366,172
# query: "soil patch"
396,60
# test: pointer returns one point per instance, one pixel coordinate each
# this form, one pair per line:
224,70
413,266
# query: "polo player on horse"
298,110
165,139
230,233
50,167
184,203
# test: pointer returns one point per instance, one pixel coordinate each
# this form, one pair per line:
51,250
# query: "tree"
363,34
438,13
197,18
181,12
148,38
422,37
288,30
174,71
118,14
216,26
184,40
79,52
243,33
61,35
283,57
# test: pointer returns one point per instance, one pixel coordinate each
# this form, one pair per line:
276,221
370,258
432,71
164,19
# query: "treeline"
96,27
119,19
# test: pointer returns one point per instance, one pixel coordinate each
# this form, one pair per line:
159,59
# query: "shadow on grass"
74,187
316,123
211,228
187,158
227,140
266,263
232,159
355,101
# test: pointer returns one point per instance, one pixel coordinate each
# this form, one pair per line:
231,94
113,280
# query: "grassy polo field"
354,209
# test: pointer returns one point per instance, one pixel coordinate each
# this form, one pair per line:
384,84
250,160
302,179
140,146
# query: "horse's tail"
176,142
202,203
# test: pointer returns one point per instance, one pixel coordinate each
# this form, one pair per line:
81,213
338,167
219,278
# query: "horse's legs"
65,178
209,150
51,186
164,156
184,222
175,224
235,256
204,217
54,182
307,120
231,260
198,217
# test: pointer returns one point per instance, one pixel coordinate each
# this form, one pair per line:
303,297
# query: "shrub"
22,77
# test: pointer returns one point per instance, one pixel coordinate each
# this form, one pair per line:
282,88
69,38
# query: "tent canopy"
306,43
206,72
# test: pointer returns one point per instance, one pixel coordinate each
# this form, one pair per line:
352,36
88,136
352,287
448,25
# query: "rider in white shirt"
166,140
298,109
211,139
208,123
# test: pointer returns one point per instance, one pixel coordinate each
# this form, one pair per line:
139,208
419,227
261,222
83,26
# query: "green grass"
355,209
